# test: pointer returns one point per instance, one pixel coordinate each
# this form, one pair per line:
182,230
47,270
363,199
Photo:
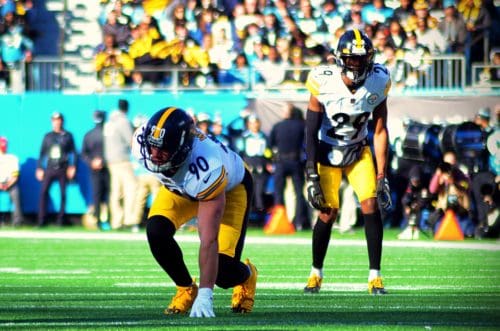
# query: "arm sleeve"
313,123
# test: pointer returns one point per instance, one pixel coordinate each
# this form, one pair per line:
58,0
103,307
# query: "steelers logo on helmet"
166,140
354,54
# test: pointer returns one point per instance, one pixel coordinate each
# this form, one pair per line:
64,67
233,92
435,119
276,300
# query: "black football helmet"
354,43
171,131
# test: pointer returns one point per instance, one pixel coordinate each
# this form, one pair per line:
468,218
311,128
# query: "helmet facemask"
355,67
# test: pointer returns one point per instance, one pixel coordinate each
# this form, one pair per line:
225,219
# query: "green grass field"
69,279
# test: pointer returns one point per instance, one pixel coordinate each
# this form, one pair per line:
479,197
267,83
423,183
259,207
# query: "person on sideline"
343,97
287,143
118,134
9,179
201,178
93,155
57,161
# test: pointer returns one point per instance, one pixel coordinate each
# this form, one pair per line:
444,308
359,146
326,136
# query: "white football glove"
203,304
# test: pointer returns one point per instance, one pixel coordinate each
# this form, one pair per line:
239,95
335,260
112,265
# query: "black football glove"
314,191
384,194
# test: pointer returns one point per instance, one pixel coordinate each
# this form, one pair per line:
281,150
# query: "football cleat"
313,284
375,286
183,299
244,294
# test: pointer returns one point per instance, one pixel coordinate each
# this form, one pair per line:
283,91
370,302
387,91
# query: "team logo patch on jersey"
372,99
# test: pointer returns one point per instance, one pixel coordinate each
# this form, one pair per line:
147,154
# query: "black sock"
166,251
231,272
321,238
374,232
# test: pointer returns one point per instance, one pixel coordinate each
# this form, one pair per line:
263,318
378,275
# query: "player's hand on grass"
203,304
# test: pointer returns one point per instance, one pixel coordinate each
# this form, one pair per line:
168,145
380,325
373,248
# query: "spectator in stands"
15,47
403,12
477,22
414,57
355,22
148,48
57,162
169,19
93,155
238,74
397,35
117,139
376,13
120,31
297,74
253,36
421,8
271,69
271,30
331,16
308,20
287,143
205,21
9,179
113,66
394,65
432,38
452,26
494,71
240,22
222,52
379,43
297,37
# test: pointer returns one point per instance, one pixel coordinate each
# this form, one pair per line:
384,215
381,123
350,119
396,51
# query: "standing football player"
343,98
201,178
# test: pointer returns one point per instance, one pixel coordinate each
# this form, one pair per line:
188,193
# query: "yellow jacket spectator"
153,6
113,67
421,8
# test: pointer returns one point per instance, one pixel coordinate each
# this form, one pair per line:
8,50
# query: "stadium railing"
73,74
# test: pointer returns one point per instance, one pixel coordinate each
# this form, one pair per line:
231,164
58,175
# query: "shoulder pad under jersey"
318,77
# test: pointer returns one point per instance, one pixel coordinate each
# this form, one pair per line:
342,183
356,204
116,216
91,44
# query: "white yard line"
494,246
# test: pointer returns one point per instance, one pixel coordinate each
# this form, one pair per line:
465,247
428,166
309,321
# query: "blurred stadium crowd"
216,41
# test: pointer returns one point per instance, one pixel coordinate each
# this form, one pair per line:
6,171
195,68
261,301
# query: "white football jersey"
210,168
346,114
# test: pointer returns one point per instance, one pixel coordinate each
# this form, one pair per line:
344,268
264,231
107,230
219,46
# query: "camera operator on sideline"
451,187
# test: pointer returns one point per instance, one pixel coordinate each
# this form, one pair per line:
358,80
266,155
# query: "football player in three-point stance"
343,98
201,178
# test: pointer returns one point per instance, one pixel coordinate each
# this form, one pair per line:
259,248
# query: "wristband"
205,292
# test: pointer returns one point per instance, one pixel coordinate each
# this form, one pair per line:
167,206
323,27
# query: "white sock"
317,272
374,273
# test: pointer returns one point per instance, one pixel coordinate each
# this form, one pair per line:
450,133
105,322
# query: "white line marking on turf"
332,287
249,240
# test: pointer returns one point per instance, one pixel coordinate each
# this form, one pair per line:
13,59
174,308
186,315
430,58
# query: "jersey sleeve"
209,186
383,78
314,81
